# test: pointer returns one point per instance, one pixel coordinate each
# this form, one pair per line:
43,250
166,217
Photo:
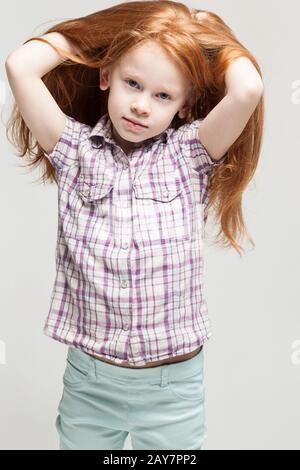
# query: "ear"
186,107
183,111
104,77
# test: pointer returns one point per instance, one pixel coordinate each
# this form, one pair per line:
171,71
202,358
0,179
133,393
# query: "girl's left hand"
198,15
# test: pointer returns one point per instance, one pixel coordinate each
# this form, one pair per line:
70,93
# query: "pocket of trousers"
76,374
189,388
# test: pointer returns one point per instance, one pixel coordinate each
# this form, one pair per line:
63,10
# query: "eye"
130,81
168,96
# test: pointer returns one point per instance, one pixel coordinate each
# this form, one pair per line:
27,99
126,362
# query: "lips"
135,122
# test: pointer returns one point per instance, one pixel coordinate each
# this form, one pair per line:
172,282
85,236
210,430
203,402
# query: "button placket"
122,240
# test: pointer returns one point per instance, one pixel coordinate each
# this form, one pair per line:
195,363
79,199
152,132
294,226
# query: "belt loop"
93,368
164,375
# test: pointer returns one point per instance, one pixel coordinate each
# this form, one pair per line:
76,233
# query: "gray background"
252,361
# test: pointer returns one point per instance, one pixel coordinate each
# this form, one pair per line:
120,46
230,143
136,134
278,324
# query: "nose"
141,107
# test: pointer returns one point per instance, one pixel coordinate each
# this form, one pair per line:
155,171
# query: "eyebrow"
170,88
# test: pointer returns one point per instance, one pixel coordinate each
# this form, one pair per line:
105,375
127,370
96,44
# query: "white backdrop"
252,361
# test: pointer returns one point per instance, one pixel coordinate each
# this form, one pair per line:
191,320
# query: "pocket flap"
91,192
163,191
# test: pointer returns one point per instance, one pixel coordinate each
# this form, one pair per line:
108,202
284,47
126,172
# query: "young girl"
145,114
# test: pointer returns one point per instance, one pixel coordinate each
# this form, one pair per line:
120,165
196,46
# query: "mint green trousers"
160,407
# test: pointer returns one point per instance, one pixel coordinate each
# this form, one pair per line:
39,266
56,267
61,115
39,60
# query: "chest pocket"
88,208
162,210
90,192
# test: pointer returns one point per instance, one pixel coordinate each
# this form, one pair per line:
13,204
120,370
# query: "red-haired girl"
146,114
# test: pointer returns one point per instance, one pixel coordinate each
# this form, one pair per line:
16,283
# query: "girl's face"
145,86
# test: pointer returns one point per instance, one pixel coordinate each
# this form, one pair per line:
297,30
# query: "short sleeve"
193,150
65,152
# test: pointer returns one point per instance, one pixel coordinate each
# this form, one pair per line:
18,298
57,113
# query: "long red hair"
202,49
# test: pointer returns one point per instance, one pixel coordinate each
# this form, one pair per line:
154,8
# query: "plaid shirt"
129,281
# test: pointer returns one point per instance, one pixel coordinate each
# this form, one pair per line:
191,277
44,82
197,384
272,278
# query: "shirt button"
125,246
125,327
124,284
165,193
125,204
125,166
135,348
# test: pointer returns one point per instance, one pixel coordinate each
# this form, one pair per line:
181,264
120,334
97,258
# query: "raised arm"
25,68
227,120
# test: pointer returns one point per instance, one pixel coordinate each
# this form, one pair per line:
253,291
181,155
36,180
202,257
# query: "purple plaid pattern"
129,281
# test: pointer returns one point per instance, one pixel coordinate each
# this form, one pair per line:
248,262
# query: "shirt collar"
103,131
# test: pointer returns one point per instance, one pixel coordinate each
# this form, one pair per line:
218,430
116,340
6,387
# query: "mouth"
135,124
